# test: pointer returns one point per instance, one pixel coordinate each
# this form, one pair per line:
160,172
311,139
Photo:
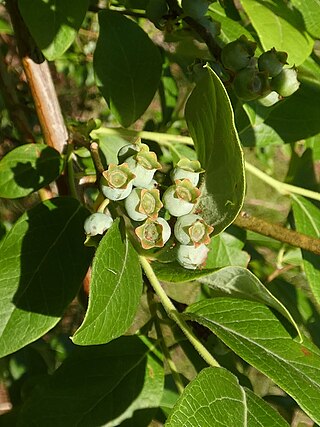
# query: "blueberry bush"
159,213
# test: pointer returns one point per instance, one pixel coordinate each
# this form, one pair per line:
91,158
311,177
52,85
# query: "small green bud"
272,62
192,229
189,169
180,199
97,223
142,203
236,55
286,83
153,233
250,84
192,257
116,182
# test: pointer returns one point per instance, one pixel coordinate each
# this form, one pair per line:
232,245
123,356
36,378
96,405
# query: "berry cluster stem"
174,314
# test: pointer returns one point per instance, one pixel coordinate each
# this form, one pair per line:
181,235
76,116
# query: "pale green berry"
180,199
286,83
117,181
192,257
97,223
270,99
192,229
153,233
142,203
189,169
144,165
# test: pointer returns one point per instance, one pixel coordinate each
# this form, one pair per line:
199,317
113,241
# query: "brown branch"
282,234
40,82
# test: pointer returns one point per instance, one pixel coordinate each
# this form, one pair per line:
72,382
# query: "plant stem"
71,182
94,149
281,187
278,232
174,314
40,82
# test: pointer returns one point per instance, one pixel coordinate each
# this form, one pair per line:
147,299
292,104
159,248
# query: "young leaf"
210,121
238,282
43,261
53,25
226,249
104,385
173,272
27,168
280,27
253,332
215,398
115,290
128,66
307,220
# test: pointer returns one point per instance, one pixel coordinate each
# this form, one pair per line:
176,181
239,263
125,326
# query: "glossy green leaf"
53,24
252,331
210,121
280,27
226,249
238,282
118,384
128,66
307,220
27,168
42,264
115,290
215,398
175,273
310,10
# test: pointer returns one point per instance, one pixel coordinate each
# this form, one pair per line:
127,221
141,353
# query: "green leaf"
115,290
215,398
118,384
280,27
225,249
175,273
53,25
253,332
310,10
42,263
307,220
27,168
238,282
210,121
297,117
128,66
5,27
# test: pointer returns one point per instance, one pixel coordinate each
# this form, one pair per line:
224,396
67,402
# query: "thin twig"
293,238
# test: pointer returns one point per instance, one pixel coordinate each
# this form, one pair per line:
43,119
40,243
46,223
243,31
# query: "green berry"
192,230
144,165
270,99
192,257
286,83
272,62
97,223
250,84
116,182
195,8
153,233
189,169
236,55
142,203
180,199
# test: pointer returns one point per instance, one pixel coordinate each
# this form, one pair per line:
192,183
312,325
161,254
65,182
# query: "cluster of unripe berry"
154,214
254,77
